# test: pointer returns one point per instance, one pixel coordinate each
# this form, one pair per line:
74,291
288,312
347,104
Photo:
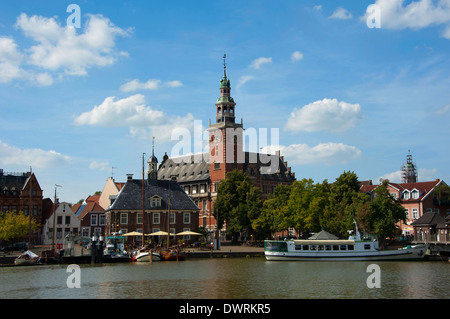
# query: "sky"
346,85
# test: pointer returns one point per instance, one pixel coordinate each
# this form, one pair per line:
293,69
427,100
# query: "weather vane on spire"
224,64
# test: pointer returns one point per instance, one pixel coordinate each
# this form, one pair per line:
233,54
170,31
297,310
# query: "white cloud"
324,115
397,15
341,13
318,7
174,84
34,157
296,56
256,64
321,154
143,120
62,48
102,166
423,174
443,110
152,84
244,79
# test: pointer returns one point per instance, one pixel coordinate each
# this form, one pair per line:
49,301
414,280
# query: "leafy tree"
273,211
238,202
385,212
442,194
15,226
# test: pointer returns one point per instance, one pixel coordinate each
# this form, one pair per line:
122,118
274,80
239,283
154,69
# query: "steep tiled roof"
130,196
429,219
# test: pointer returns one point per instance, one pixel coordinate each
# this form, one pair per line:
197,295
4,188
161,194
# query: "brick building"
15,196
164,206
199,175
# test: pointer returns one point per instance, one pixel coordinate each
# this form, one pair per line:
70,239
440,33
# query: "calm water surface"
229,278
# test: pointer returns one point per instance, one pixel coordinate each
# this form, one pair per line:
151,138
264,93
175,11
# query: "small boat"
173,255
27,258
115,250
144,256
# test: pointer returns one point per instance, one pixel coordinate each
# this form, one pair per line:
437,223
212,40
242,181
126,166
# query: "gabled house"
64,221
432,227
91,216
417,198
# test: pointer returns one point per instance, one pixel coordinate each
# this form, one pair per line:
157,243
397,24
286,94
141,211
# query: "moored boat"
115,250
173,255
145,256
27,258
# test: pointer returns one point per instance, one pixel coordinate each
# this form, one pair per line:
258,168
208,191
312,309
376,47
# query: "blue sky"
75,102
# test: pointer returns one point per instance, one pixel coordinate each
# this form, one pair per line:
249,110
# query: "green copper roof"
224,82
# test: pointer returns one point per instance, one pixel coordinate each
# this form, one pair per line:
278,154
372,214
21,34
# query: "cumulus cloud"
102,166
296,56
142,119
244,79
321,154
152,84
324,115
399,14
63,48
256,64
341,13
35,157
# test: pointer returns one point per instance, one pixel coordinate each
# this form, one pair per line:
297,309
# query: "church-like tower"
225,136
409,171
152,168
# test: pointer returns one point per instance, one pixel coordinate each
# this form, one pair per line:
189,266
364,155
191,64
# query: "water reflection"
229,278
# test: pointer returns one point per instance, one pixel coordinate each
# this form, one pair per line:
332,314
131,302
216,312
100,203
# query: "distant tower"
152,170
409,170
225,136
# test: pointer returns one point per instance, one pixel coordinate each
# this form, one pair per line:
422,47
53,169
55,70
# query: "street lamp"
54,220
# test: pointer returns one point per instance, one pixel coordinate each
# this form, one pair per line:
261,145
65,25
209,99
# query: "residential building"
20,192
417,198
150,205
91,216
431,227
64,221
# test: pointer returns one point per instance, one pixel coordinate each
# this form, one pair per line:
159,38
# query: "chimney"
129,177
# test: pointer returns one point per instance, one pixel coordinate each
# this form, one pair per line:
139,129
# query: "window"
94,219
102,220
204,222
59,233
406,195
67,220
59,220
124,218
202,188
194,189
394,195
343,247
155,201
327,247
415,194
205,207
139,218
172,218
335,247
35,209
25,210
366,246
186,218
305,247
415,213
155,218
216,166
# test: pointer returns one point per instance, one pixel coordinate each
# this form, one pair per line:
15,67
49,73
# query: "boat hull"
417,253
117,258
145,257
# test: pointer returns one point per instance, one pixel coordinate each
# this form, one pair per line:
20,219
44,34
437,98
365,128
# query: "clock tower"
225,136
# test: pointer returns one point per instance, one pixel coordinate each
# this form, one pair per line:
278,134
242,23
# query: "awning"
159,233
188,233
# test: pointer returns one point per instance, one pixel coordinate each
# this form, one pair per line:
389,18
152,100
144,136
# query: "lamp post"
54,220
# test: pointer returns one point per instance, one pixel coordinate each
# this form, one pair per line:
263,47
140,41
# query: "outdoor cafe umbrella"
159,233
188,233
133,233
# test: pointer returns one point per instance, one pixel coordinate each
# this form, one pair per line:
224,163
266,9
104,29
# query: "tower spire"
224,65
152,170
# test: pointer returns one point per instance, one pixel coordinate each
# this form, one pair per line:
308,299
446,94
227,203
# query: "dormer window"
406,195
155,201
415,194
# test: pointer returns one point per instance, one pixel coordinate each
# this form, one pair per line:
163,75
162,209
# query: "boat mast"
143,202
168,218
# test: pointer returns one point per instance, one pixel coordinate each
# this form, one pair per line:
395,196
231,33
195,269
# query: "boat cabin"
319,245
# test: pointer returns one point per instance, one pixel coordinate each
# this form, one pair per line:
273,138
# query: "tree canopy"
15,226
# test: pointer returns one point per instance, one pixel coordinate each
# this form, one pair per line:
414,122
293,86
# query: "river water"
228,278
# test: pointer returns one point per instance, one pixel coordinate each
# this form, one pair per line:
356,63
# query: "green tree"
385,212
344,202
15,226
238,202
273,212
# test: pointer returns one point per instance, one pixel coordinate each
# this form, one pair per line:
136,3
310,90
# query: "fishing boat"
144,256
351,249
115,249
